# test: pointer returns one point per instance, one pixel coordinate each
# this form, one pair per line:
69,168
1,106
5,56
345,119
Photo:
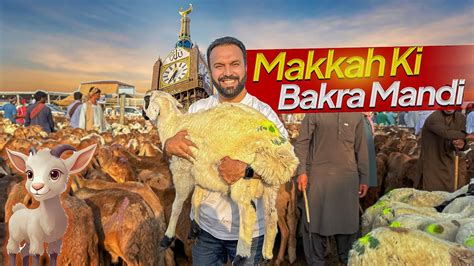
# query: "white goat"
241,133
47,177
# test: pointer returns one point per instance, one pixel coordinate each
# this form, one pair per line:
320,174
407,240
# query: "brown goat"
159,179
127,226
287,222
117,167
374,193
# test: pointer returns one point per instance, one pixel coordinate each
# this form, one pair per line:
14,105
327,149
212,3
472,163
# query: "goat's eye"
54,174
29,175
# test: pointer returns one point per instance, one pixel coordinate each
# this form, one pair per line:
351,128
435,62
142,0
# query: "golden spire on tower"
186,12
185,33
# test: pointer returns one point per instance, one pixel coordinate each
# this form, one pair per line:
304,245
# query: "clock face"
175,72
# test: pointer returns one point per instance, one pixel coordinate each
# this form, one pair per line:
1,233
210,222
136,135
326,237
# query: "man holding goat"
218,229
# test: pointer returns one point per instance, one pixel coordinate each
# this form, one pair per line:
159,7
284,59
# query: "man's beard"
230,92
449,112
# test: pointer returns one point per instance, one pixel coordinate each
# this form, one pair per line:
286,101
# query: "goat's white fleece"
219,214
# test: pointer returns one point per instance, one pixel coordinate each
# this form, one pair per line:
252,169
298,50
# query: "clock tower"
184,72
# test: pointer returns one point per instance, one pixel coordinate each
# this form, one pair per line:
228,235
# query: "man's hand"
179,146
302,182
459,143
363,190
231,170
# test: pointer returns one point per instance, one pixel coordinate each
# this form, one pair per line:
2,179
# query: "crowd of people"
36,113
83,113
416,119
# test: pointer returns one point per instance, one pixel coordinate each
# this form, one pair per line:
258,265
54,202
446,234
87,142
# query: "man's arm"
301,146
103,122
68,110
82,116
179,145
302,143
457,137
443,130
362,155
14,115
232,170
50,119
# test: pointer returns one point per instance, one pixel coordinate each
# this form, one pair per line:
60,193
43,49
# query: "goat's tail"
18,206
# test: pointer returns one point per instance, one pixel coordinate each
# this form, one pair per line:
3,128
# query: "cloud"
88,56
66,57
390,25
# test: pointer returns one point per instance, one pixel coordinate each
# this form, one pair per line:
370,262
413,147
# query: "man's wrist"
165,150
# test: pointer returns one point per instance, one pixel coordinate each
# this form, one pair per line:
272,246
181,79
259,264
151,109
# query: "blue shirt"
9,111
44,118
470,123
411,119
77,113
391,118
421,121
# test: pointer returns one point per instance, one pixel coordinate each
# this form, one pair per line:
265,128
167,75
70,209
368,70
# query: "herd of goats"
118,207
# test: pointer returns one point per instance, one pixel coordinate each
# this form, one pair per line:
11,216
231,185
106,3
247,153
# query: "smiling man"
218,229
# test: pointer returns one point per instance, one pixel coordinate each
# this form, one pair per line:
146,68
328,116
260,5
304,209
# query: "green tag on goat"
434,229
469,241
395,224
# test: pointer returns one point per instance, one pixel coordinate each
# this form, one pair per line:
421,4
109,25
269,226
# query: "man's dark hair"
40,95
226,41
77,95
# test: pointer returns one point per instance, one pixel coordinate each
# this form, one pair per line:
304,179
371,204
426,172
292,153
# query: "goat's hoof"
194,231
239,261
53,258
292,255
166,241
265,262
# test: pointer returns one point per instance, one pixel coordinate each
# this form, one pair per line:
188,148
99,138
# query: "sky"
55,45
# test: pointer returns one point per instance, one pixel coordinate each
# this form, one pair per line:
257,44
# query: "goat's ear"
79,160
18,160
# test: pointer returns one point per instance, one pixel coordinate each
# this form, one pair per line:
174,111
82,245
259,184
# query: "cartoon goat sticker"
47,175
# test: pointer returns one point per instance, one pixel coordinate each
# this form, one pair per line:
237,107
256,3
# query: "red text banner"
362,79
